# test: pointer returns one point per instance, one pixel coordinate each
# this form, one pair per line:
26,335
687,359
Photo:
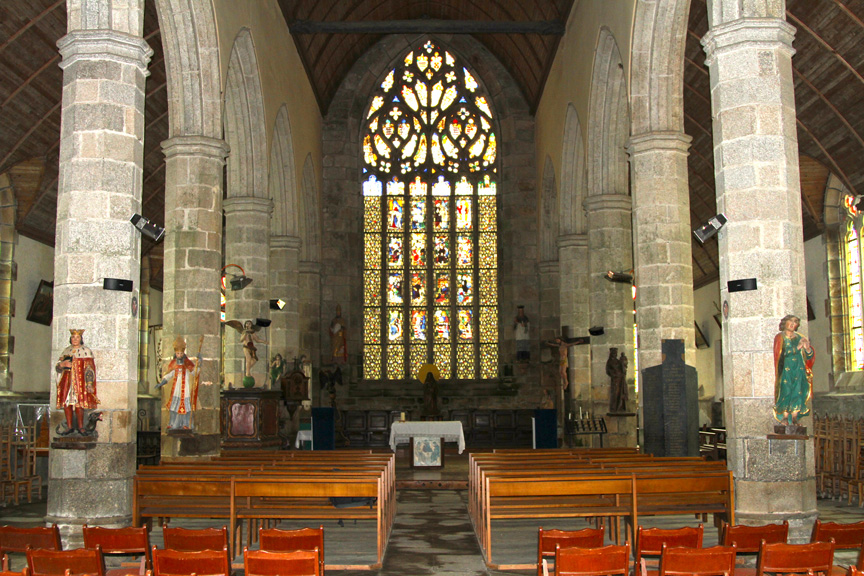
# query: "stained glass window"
430,222
855,315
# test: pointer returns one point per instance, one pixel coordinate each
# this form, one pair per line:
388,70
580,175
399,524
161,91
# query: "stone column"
550,319
8,275
662,236
99,188
575,310
247,244
194,168
144,328
284,284
610,248
749,55
309,281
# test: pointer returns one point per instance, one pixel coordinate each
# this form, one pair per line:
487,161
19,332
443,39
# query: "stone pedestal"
749,55
99,187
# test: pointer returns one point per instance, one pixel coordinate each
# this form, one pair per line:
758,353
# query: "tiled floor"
432,533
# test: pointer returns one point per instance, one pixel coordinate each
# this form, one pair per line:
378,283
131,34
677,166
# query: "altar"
450,431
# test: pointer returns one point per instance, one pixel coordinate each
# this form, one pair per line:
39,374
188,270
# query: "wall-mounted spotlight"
277,304
147,228
263,322
620,277
708,230
237,282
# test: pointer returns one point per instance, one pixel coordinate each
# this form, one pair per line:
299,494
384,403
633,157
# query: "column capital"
766,33
104,45
238,204
214,148
548,267
309,267
286,242
608,202
659,140
573,241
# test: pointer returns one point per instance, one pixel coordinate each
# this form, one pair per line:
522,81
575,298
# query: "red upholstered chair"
547,540
190,540
650,541
56,562
816,558
606,561
278,540
748,540
14,539
714,561
120,541
174,562
296,563
846,536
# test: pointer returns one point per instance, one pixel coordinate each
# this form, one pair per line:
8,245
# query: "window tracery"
430,222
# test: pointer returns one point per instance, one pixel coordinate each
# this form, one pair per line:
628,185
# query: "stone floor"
432,533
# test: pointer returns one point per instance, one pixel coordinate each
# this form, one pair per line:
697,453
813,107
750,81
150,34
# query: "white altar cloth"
451,431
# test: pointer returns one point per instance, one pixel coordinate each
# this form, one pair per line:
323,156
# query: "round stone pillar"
284,285
749,56
191,302
99,188
310,311
575,311
610,248
662,236
247,244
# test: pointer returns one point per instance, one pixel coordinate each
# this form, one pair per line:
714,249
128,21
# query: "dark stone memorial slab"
670,400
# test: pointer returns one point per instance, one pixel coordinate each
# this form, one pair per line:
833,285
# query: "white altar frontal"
450,431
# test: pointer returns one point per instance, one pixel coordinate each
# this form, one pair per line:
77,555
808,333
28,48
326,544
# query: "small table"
450,431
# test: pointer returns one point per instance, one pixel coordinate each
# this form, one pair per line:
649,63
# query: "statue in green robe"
793,372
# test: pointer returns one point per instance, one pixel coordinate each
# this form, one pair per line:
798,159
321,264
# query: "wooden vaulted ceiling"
523,34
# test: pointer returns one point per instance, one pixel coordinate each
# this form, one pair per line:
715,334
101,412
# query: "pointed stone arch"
573,185
188,28
609,128
283,179
244,121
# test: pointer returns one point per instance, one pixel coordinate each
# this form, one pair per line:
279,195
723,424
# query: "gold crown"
78,331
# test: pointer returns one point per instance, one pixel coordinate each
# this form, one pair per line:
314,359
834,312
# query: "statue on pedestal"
184,374
793,372
76,389
616,369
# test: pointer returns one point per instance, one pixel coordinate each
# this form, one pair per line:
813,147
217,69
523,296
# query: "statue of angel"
248,338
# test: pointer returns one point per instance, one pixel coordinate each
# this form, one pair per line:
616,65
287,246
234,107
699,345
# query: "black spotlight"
240,282
262,322
596,331
277,304
147,228
713,226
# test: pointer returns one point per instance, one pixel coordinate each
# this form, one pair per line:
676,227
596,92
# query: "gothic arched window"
854,296
430,222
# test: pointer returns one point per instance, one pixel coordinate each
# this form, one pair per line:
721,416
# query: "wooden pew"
577,497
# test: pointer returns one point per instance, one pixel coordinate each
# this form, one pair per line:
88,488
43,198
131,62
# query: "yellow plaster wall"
569,79
283,78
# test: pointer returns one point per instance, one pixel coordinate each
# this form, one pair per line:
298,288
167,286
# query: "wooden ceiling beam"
33,76
828,103
825,45
837,170
428,26
35,20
